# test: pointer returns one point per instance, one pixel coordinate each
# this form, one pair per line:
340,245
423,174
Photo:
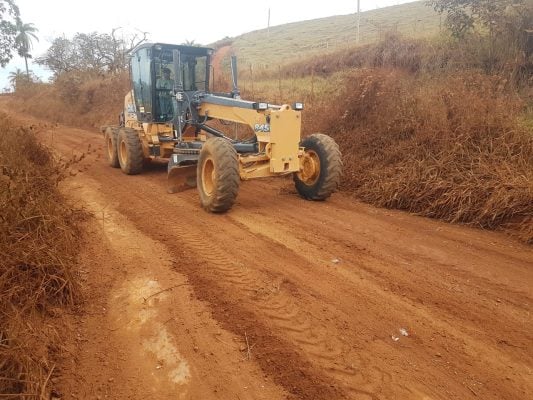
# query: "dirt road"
284,298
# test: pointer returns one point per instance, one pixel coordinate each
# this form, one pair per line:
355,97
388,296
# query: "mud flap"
181,178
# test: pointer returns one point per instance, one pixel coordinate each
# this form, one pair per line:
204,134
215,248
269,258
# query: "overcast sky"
170,21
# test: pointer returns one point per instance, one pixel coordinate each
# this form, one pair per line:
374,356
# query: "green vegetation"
18,36
496,17
9,14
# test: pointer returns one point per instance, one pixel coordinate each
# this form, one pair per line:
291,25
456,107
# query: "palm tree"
24,39
16,77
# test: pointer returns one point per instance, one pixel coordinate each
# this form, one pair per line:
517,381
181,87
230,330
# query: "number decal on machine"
262,127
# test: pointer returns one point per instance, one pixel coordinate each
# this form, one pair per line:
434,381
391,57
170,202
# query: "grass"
288,89
527,122
292,42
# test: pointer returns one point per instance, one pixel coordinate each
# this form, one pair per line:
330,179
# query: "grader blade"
181,178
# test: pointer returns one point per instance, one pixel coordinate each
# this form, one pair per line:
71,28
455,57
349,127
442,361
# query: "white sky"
169,21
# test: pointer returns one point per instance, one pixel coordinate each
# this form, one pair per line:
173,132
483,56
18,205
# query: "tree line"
93,52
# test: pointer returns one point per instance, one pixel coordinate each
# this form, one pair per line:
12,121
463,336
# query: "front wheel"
320,168
218,175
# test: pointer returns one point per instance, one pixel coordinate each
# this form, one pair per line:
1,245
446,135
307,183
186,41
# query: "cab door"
141,76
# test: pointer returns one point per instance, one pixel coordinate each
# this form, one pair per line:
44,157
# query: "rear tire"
111,138
130,152
218,175
321,168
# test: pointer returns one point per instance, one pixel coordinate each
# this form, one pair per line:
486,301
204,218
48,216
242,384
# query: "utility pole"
268,26
358,37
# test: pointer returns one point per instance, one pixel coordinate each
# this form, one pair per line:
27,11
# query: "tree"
23,40
9,13
89,52
494,15
60,57
19,78
503,30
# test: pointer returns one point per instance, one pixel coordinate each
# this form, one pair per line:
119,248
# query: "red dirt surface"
282,298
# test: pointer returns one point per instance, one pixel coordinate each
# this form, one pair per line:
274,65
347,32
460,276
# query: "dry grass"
77,99
434,56
38,243
449,148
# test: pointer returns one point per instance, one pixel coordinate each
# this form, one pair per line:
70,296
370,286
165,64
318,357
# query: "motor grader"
171,113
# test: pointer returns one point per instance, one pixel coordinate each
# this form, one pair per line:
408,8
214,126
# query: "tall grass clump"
38,244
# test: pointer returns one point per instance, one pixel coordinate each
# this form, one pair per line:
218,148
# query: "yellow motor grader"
170,113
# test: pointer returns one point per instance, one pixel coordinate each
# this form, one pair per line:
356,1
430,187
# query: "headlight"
298,106
261,106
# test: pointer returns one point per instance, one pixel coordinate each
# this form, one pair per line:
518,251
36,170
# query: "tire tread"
135,158
227,175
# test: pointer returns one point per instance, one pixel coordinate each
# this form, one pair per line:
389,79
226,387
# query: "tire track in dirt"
511,320
319,349
320,346
455,280
271,257
283,311
149,332
292,371
285,365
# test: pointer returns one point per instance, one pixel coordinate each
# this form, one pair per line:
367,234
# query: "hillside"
295,41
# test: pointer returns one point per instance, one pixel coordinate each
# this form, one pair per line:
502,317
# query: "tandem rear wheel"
111,139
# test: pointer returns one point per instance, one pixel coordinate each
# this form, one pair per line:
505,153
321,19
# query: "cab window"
194,72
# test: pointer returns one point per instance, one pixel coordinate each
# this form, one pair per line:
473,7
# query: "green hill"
291,42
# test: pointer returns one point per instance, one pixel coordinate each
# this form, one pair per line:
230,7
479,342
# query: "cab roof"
195,50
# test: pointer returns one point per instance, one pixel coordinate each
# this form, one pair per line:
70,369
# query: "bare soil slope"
284,298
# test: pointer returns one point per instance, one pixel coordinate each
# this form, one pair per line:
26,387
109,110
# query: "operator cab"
158,71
